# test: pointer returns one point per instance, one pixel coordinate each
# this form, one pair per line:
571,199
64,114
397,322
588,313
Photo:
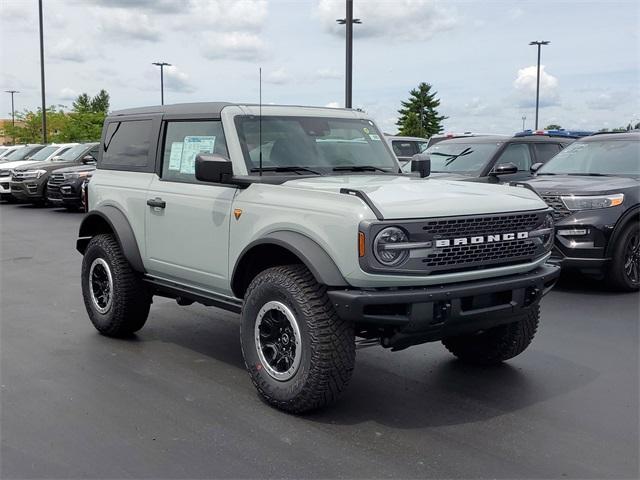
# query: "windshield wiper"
286,169
359,168
452,158
589,174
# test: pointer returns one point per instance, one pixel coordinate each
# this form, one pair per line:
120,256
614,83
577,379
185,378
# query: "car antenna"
260,119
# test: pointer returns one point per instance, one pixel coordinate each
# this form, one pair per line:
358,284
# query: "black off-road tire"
327,342
617,278
496,344
131,299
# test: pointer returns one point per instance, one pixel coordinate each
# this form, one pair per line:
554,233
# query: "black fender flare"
314,257
621,224
116,222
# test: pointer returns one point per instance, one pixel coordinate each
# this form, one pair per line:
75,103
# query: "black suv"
64,187
594,188
493,158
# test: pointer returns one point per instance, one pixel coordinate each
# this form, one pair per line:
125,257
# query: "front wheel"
497,344
299,354
624,271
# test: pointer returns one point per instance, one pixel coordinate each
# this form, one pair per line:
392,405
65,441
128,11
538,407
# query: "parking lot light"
349,21
161,65
539,43
13,112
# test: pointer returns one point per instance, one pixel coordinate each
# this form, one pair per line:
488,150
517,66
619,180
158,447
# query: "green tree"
28,127
553,126
100,103
419,114
82,104
637,126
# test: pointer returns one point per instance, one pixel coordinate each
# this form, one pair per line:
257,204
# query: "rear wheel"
115,298
299,354
624,271
496,344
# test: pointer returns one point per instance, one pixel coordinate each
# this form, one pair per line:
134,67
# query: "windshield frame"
392,168
576,145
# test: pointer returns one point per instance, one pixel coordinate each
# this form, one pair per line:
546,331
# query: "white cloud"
525,86
156,6
128,24
71,50
228,15
278,77
328,74
177,81
608,100
67,94
233,45
333,105
477,107
399,20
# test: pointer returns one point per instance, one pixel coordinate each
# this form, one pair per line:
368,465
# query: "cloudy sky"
476,55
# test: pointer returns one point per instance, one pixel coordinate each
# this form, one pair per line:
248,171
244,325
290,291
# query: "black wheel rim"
101,285
277,338
632,259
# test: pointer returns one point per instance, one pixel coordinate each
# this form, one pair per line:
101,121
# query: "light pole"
539,43
523,119
44,108
161,65
349,21
13,112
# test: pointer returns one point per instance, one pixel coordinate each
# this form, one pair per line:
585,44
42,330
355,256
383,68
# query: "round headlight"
383,246
548,239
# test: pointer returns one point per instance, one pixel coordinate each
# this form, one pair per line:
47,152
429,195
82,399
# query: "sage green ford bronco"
301,220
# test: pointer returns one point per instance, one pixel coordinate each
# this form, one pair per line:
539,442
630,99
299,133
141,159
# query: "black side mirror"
213,168
88,159
504,169
421,163
536,166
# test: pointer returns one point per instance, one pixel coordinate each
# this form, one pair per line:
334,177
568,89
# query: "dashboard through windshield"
313,145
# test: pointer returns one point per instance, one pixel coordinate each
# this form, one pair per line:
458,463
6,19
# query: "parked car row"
48,174
591,180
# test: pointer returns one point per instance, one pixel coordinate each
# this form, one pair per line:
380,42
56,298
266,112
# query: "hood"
400,197
48,166
16,164
577,184
449,176
78,168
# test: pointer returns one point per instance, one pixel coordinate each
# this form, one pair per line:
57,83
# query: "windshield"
72,154
467,158
606,157
314,145
19,154
45,153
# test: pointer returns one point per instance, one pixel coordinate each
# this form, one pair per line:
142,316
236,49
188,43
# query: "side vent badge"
236,213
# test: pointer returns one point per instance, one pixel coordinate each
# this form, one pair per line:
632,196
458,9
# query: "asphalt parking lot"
175,401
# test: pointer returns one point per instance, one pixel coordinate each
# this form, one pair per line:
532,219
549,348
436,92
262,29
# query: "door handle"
156,203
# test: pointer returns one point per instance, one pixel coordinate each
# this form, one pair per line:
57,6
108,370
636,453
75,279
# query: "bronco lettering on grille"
502,237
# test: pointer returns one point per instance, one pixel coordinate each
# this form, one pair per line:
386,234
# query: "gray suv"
300,220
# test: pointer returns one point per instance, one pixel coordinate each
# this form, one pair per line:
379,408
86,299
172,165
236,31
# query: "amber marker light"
361,240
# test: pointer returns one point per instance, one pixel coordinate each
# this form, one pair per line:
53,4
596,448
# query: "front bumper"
28,189
419,315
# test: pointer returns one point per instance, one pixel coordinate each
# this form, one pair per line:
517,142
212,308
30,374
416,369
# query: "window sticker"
192,146
375,137
365,130
176,156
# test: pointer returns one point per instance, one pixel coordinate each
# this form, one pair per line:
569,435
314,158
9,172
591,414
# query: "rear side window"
404,149
544,151
518,154
183,141
126,146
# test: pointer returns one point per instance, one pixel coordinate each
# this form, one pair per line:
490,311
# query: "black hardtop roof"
475,139
213,108
635,136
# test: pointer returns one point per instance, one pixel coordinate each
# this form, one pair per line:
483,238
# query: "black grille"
461,256
462,227
559,209
56,179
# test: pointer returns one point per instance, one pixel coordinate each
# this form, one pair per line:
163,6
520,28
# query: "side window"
544,151
93,152
126,145
518,154
61,152
184,140
404,149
